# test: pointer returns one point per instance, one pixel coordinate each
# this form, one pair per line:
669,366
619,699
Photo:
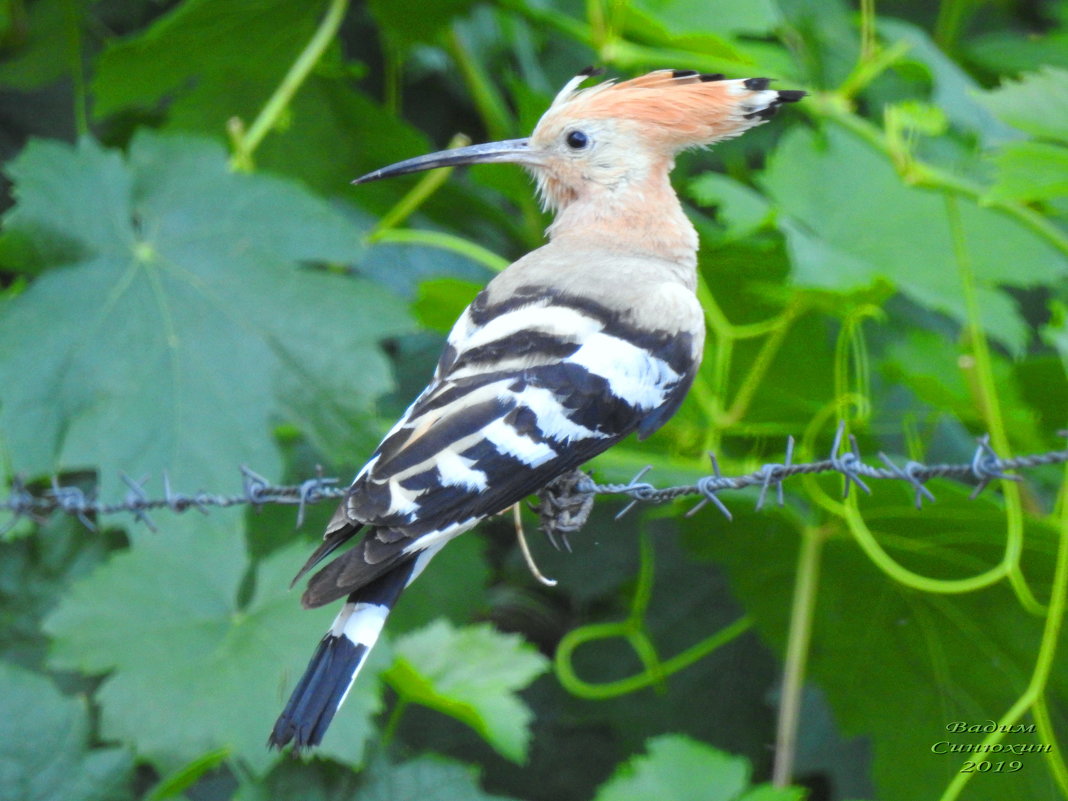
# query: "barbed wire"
984,467
564,504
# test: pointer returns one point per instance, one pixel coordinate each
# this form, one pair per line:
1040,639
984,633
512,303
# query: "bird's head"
603,140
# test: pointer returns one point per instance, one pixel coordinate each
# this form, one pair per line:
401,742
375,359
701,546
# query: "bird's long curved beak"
516,151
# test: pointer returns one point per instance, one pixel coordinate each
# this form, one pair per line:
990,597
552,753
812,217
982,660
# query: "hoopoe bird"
592,337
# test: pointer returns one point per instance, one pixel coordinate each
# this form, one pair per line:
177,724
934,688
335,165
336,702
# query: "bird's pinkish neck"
645,219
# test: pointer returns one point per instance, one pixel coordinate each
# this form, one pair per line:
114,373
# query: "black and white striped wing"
524,392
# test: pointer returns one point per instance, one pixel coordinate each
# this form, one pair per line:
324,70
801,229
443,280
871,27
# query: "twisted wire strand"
984,467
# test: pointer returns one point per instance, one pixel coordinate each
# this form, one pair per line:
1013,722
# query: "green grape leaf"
328,134
1030,171
44,752
186,299
398,22
683,17
191,670
1013,52
441,301
426,777
453,587
677,768
920,360
144,69
953,90
471,674
741,209
850,220
901,666
67,210
152,68
328,117
34,572
1037,103
766,792
44,56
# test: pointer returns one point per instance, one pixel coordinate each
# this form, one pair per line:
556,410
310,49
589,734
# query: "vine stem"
632,630
488,100
244,141
499,120
638,640
1034,696
848,511
868,43
952,15
802,612
444,241
710,387
395,715
990,406
908,578
72,17
851,350
427,185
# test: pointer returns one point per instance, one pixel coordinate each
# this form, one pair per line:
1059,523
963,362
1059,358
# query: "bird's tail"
338,659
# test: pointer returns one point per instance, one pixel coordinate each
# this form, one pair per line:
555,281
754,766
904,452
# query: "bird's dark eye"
576,140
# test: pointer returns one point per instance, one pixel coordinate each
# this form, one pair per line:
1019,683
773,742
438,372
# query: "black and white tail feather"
337,661
592,337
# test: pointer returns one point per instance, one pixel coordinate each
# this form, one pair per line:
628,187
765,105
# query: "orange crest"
675,109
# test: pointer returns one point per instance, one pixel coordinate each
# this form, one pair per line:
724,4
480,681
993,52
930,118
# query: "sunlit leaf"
471,674
1037,103
853,220
1030,171
423,778
677,768
953,89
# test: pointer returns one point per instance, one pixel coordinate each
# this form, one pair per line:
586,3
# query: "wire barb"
850,463
177,502
72,500
21,504
257,488
775,473
986,466
137,500
908,473
311,491
637,491
709,486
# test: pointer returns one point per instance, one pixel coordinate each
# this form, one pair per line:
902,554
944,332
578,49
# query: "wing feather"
504,415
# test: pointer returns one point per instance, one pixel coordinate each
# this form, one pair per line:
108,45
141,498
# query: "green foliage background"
189,283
